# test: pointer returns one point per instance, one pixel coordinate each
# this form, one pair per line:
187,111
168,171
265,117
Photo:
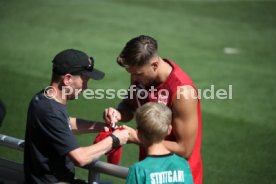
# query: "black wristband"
115,141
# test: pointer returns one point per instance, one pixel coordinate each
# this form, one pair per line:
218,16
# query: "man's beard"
153,83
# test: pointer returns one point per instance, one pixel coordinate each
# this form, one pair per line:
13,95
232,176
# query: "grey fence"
13,172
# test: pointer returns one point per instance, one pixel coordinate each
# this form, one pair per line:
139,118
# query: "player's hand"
133,135
123,135
111,116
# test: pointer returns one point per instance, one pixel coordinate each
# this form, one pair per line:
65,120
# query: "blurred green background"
239,142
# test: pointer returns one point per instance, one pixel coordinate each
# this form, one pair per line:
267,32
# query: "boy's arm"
185,122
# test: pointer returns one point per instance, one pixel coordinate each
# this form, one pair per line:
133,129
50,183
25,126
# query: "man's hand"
133,136
111,116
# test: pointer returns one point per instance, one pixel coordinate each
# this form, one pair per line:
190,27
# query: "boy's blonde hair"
153,122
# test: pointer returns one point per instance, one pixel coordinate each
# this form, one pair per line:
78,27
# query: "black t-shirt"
48,139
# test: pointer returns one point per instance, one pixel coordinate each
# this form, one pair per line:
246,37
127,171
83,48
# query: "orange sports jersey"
166,93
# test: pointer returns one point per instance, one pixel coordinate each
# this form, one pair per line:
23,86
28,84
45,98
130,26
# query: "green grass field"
239,138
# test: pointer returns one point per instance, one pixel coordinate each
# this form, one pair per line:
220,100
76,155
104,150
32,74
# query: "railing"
95,168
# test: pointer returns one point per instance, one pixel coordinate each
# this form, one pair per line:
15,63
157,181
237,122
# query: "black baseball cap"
76,62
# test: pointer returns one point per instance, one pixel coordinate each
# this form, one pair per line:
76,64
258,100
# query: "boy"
160,166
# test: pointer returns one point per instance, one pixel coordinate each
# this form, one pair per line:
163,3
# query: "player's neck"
157,149
165,70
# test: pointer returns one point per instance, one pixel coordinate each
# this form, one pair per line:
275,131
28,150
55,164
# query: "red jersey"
166,93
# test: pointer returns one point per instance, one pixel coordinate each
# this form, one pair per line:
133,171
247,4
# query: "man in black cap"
51,150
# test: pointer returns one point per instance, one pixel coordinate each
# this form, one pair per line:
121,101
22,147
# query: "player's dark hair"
138,51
